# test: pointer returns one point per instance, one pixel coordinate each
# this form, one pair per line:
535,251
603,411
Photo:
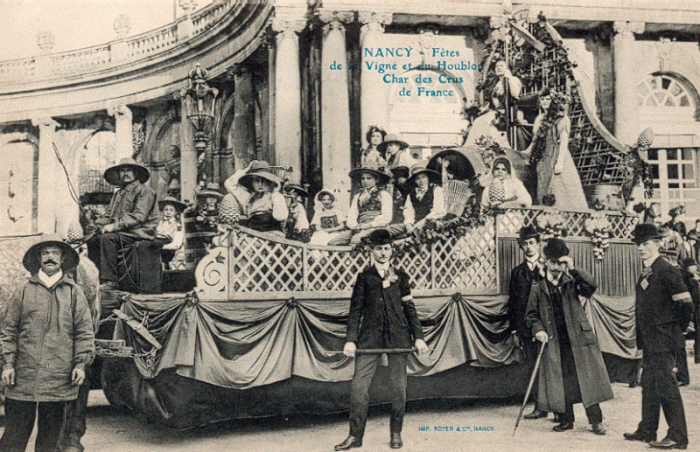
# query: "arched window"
661,90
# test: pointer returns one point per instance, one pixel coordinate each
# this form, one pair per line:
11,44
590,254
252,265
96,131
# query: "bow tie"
646,272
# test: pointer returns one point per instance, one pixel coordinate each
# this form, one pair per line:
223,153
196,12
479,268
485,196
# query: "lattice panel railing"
262,265
468,262
574,222
334,271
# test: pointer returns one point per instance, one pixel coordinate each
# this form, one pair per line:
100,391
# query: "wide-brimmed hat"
418,169
141,172
528,232
211,189
555,249
297,189
179,206
382,178
379,237
259,169
644,232
391,138
32,258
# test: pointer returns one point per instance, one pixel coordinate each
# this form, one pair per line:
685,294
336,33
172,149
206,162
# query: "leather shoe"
597,428
638,436
564,426
536,414
349,443
667,443
396,442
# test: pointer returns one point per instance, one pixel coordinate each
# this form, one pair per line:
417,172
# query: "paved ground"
112,431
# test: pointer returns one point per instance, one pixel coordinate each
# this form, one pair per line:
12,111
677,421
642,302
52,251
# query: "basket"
457,193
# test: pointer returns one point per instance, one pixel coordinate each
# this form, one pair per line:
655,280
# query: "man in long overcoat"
47,339
382,315
572,370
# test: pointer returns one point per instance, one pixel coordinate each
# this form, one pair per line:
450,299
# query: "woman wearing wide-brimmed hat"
266,210
425,200
370,208
170,226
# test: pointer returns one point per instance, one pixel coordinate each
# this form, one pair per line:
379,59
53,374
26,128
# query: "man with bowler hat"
47,339
662,298
132,215
572,369
382,315
522,278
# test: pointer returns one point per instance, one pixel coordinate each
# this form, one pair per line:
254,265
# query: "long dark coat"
592,374
382,317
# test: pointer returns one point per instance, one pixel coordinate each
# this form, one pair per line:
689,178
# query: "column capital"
628,29
283,25
330,16
373,18
118,110
45,122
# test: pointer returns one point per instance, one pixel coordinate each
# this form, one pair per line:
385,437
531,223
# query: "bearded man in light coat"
47,339
572,370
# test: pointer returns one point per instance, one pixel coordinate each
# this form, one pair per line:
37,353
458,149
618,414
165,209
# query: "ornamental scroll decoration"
212,275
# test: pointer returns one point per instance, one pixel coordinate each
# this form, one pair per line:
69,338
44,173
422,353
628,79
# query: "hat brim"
381,177
32,258
433,176
204,193
381,147
247,180
179,206
646,238
298,190
141,172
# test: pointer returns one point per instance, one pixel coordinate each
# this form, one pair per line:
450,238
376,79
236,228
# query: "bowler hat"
528,232
379,237
32,258
112,173
687,262
391,138
644,232
555,249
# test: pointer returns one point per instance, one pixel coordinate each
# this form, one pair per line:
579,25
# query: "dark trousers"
660,391
696,343
365,367
682,374
19,423
111,249
572,388
76,417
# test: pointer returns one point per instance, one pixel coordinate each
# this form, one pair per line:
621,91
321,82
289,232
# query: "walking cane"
529,386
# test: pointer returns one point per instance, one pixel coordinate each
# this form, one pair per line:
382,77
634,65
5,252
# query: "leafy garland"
600,231
555,112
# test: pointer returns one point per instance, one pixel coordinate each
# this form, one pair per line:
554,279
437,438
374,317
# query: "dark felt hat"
379,237
687,262
391,138
555,249
32,258
418,169
528,232
644,232
296,189
400,171
141,172
179,206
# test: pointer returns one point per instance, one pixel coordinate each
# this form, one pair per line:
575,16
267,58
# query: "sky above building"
76,24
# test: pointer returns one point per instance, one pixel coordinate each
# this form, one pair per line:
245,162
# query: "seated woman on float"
328,220
266,209
504,189
370,208
425,200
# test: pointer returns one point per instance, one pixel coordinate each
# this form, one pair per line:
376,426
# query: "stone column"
288,95
188,154
47,181
123,131
335,107
626,112
373,96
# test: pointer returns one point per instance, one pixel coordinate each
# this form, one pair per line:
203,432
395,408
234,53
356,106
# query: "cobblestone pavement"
489,427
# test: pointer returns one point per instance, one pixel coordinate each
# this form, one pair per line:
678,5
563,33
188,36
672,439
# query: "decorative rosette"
599,230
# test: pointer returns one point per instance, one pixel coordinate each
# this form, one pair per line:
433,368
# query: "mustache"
50,261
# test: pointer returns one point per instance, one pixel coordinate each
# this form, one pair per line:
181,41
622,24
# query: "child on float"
208,207
297,220
425,200
170,226
504,190
266,210
328,220
370,208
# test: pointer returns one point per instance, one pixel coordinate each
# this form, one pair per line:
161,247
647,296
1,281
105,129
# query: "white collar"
382,268
648,262
50,280
532,261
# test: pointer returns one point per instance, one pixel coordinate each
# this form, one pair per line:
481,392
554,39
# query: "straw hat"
391,138
382,178
141,172
179,206
419,168
212,189
261,170
32,258
296,189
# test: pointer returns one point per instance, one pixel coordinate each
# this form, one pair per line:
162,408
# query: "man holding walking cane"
382,315
572,370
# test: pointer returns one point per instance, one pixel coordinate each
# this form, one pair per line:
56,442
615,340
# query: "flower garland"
551,224
599,230
553,114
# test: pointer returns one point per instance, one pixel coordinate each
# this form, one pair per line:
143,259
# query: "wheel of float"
113,374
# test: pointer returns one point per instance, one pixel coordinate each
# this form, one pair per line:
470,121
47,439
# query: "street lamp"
200,108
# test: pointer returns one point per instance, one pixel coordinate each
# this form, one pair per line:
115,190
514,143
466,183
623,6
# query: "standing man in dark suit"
661,298
522,278
382,315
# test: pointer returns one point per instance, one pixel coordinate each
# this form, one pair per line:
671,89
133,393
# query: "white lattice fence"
262,265
468,262
334,271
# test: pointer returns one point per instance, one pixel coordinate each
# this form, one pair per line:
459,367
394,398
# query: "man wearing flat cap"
132,215
662,299
572,370
382,315
47,339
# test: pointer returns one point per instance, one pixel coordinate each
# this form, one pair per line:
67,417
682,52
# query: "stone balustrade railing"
119,52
